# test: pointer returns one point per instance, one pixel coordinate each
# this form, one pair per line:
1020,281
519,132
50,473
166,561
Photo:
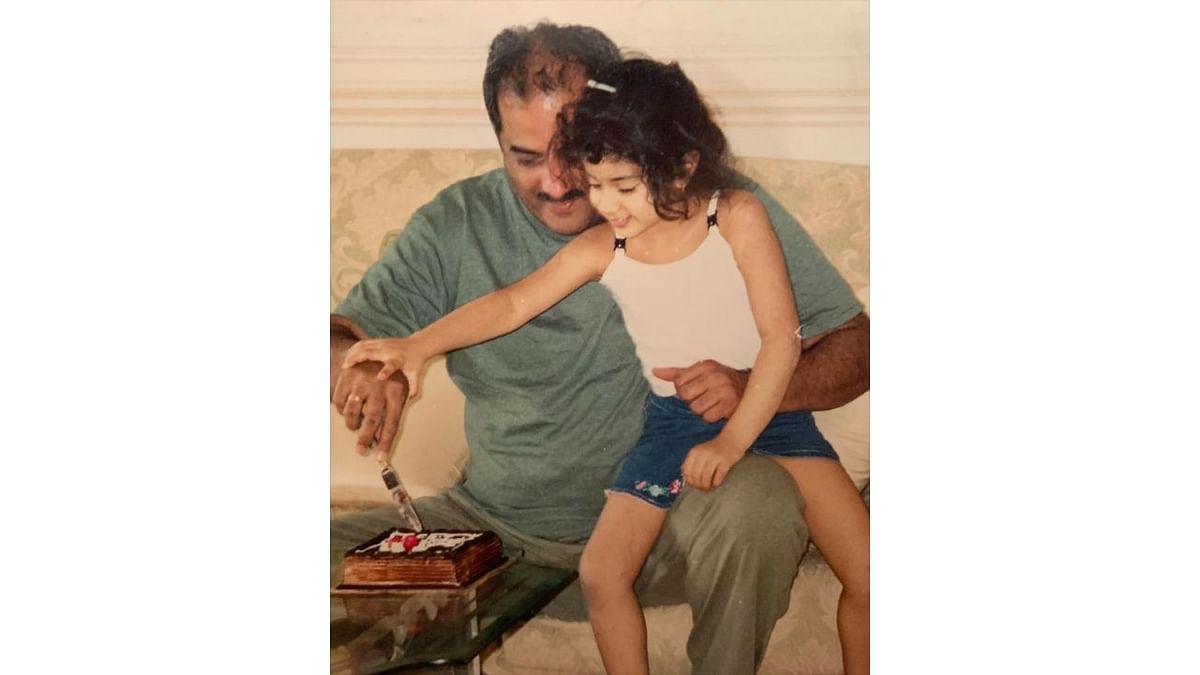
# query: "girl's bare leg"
610,564
840,527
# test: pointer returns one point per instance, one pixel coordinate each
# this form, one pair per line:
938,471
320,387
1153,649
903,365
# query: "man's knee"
759,485
750,525
758,502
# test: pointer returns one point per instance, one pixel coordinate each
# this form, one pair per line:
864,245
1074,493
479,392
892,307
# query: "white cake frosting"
426,541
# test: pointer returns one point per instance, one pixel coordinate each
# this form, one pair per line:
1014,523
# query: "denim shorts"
652,469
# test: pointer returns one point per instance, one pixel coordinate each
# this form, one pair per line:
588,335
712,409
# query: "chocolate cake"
446,558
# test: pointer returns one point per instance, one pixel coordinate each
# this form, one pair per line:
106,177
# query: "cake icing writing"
408,542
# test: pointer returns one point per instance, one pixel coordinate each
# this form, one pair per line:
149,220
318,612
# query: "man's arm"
407,288
371,407
343,333
834,369
837,369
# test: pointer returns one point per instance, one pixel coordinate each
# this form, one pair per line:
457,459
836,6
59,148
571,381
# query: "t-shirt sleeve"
409,286
824,300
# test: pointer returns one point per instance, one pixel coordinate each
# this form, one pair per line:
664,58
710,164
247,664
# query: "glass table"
435,630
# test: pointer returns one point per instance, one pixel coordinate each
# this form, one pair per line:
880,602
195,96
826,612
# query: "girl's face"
617,191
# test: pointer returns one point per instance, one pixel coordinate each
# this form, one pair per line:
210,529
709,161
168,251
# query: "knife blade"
400,496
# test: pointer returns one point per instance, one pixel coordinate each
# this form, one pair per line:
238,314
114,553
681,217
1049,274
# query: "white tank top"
685,311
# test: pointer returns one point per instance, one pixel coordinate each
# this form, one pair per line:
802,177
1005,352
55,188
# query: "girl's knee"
599,574
589,569
857,587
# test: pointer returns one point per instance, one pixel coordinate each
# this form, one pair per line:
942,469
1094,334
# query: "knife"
400,496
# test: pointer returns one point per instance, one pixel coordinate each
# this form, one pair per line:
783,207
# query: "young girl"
698,274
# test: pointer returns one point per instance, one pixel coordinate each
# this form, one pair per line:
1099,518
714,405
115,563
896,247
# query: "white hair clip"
592,84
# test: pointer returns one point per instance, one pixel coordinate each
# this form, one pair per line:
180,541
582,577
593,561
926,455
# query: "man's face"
526,129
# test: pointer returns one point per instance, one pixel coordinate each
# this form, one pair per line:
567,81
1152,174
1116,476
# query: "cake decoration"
400,541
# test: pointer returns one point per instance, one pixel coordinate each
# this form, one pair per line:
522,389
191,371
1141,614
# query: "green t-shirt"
553,407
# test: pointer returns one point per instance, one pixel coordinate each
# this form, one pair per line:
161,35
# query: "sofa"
372,195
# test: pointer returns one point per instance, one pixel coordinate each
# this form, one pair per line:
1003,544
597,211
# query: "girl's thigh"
624,535
837,518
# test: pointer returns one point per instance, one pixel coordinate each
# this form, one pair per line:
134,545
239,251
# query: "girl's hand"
707,464
396,354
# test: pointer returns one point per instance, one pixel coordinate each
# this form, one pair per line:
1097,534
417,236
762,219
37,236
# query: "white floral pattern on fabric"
655,490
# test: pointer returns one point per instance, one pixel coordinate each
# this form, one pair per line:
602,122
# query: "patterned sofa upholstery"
372,195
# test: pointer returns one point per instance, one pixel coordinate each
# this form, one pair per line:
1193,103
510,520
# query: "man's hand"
707,464
710,389
371,406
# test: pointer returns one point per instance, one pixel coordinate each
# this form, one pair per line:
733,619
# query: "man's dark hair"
654,118
546,57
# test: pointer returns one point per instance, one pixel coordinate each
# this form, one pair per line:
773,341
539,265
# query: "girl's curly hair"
654,119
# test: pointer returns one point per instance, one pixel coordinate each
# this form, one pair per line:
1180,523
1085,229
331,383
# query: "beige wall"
789,79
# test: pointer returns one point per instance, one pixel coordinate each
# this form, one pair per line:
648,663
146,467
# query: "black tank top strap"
712,209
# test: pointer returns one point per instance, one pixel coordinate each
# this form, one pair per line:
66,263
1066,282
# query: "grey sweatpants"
731,554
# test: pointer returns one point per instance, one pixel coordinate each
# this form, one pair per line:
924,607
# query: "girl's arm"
759,257
500,312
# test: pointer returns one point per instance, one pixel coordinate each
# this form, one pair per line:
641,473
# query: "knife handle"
389,478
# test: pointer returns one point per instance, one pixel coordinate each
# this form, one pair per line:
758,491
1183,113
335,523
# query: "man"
553,407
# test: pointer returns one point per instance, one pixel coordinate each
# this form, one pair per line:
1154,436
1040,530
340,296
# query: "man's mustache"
571,194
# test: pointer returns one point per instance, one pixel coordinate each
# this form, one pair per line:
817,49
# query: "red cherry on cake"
410,541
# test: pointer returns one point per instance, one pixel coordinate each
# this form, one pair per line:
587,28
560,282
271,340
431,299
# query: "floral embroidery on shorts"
658,490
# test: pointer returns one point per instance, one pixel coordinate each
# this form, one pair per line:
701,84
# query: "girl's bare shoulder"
739,213
735,202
